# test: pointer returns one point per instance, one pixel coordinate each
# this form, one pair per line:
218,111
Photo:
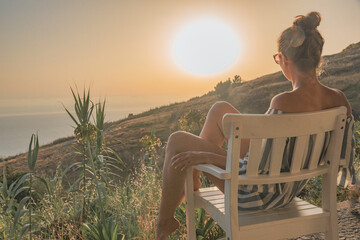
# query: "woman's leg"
210,140
213,132
174,180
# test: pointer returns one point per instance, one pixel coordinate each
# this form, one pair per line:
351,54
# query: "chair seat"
312,217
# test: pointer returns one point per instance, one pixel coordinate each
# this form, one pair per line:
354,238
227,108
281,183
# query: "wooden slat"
316,151
291,229
218,201
282,125
212,195
213,170
301,204
295,209
212,199
283,177
254,157
282,216
299,152
208,189
254,219
348,146
276,156
211,191
190,204
231,186
274,213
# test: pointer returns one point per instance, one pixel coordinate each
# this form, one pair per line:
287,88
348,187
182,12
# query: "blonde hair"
302,43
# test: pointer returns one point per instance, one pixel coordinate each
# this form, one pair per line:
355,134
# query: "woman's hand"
186,159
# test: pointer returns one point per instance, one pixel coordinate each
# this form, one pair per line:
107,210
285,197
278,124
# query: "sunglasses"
277,58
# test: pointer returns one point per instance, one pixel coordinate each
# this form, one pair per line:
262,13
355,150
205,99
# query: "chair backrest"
301,126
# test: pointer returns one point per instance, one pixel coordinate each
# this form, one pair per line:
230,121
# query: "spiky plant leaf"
20,190
4,188
90,231
20,212
33,152
208,226
14,188
200,218
44,182
72,117
23,230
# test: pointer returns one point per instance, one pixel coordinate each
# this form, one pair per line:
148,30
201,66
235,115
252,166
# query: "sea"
20,118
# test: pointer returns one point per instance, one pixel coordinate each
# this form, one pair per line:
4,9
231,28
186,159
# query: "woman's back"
266,196
299,56
310,97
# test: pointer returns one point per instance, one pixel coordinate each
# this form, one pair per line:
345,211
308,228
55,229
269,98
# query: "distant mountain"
341,70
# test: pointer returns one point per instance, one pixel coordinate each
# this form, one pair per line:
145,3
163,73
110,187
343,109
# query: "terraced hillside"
340,71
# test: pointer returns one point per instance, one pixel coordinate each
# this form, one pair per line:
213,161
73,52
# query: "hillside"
340,71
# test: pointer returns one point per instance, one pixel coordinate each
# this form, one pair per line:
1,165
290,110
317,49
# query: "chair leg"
190,206
329,204
228,235
332,233
333,230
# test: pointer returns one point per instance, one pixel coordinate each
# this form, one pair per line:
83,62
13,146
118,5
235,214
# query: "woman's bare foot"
165,227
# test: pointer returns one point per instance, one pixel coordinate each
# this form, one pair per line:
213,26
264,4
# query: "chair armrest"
213,170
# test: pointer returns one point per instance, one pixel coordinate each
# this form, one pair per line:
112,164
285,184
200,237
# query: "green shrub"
222,88
192,121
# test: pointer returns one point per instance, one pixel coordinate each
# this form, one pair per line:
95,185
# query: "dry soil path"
348,220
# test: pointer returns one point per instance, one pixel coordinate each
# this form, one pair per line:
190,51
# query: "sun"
205,47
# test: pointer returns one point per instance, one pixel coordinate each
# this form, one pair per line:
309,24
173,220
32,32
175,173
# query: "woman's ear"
284,58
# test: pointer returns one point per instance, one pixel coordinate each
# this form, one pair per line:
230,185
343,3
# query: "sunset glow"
140,54
152,48
205,47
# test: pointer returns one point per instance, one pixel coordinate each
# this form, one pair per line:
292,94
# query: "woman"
299,54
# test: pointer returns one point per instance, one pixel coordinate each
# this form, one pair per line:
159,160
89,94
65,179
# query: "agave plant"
83,109
84,130
94,164
107,230
104,157
206,228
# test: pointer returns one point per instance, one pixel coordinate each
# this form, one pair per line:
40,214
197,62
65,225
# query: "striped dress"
266,196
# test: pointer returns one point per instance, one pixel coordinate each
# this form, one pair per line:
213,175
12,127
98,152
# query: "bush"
222,88
192,121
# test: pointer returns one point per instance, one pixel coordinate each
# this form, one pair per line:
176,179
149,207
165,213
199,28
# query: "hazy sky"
124,47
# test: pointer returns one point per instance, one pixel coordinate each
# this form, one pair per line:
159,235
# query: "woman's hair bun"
302,43
308,22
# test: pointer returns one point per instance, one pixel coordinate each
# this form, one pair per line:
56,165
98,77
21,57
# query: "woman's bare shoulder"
341,98
282,101
289,101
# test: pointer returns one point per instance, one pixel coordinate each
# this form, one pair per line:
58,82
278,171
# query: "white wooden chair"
298,217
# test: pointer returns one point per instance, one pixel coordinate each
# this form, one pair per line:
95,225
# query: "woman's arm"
190,158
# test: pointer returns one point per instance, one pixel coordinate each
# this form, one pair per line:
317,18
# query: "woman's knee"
219,108
176,140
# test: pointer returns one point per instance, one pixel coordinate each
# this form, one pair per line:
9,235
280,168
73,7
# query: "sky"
123,48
